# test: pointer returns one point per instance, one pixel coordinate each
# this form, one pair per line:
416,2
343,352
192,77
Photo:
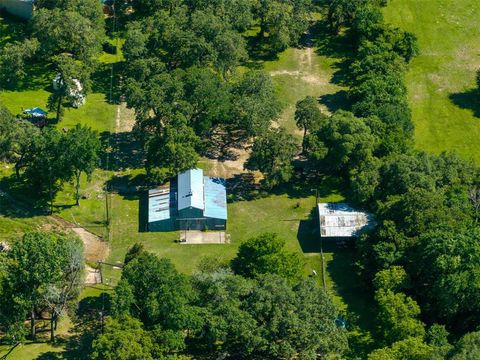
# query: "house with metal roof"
192,201
338,220
20,8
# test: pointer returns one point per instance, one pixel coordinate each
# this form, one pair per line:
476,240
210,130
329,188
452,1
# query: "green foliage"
394,278
468,347
172,152
81,37
342,12
272,154
161,295
308,116
265,254
284,21
47,168
238,13
437,337
50,158
344,140
123,299
448,263
81,146
397,316
43,271
13,60
267,318
478,79
254,103
184,38
364,180
9,131
412,348
123,339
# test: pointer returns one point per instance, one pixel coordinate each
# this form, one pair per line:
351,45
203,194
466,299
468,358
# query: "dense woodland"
188,74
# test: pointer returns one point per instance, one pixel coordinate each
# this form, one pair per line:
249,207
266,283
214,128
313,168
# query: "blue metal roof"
215,198
36,112
190,190
158,205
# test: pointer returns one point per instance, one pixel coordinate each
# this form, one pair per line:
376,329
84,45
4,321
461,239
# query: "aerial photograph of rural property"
240,179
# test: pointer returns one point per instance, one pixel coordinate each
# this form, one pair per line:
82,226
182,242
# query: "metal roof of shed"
340,220
158,204
215,198
190,190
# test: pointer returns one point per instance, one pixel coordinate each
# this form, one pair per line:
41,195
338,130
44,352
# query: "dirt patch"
285,72
95,248
125,118
204,237
229,168
308,70
314,79
92,276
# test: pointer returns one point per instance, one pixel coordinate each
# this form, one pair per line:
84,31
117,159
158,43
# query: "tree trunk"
262,26
303,142
77,188
32,324
52,329
59,108
17,170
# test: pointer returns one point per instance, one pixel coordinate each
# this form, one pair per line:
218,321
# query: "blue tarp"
36,112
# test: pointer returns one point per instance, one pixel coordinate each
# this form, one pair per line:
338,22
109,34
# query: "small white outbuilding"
338,220
75,92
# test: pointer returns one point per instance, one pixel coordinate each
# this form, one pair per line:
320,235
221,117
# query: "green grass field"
298,73
440,82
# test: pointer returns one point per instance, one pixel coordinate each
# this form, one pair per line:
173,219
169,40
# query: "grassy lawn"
31,351
14,223
41,349
440,82
282,214
298,73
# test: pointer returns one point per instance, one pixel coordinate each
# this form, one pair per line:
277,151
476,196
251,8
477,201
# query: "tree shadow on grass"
242,187
128,185
259,51
308,234
87,325
11,28
308,184
467,100
39,76
51,355
356,296
143,212
104,83
336,101
334,46
18,201
121,151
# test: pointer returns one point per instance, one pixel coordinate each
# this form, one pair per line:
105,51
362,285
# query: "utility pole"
107,207
50,190
316,196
